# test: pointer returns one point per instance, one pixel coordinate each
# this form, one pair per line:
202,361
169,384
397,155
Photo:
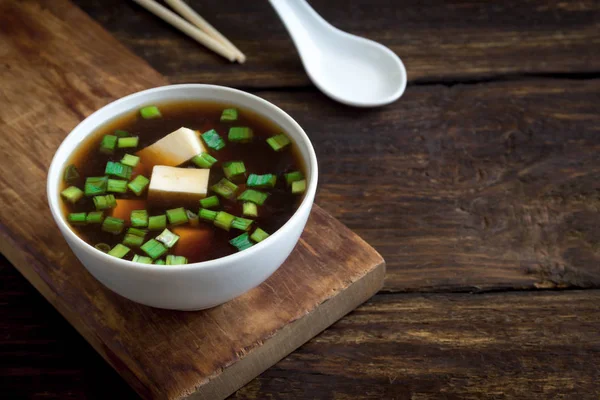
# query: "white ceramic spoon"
348,68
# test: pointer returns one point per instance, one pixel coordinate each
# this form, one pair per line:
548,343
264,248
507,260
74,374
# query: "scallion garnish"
137,232
108,144
103,247
95,185
130,160
192,218
278,142
176,260
207,215
249,209
118,169
139,218
299,187
105,202
157,222
234,170
261,181
128,142
241,242
224,188
113,225
210,202
213,140
293,177
142,259
223,220
160,262
154,248
177,216
204,160
150,112
242,224
116,186
138,184
254,196
167,238
95,217
77,218
240,134
229,114
121,133
119,251
72,194
259,235
132,240
71,175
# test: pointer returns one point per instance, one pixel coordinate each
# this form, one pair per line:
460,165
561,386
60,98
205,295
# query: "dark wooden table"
480,187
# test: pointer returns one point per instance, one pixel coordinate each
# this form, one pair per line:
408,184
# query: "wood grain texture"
468,187
52,77
437,40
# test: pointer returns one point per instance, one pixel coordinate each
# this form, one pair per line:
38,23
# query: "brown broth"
209,242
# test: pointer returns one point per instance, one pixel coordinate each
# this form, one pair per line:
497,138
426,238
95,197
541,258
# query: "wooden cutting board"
56,67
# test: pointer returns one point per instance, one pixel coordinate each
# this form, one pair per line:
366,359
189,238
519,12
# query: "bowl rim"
53,193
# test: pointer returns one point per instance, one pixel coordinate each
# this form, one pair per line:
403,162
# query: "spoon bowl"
348,68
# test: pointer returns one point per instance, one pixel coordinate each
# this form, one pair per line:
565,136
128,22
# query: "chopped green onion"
154,248
207,215
127,142
223,220
278,142
192,218
234,170
259,235
176,260
95,217
150,112
241,242
142,259
160,262
118,169
105,202
108,144
138,184
130,160
299,187
71,175
137,232
72,194
157,222
293,177
224,188
95,185
139,218
242,224
103,247
229,114
133,240
213,140
204,160
254,196
240,134
250,209
167,238
121,133
77,218
177,216
210,202
113,225
119,251
261,181
116,186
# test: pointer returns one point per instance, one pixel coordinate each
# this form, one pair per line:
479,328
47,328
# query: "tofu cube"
177,187
174,149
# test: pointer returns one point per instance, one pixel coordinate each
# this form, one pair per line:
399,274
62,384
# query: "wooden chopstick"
187,28
188,13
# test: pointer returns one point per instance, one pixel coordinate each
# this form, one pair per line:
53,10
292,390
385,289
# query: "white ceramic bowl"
199,285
